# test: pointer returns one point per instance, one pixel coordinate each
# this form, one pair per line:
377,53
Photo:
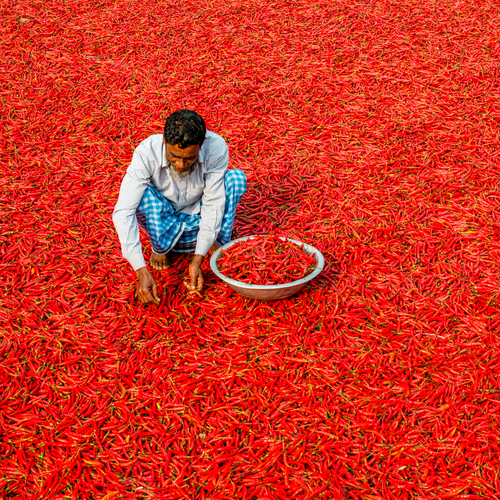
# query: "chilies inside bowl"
266,260
268,292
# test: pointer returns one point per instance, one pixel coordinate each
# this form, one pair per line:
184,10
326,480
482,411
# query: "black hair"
184,128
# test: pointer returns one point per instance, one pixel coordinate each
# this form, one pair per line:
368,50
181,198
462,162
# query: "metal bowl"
268,292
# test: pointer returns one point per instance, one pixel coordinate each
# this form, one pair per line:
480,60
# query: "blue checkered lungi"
177,231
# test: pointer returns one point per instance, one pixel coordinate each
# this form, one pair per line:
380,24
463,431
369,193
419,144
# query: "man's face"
181,159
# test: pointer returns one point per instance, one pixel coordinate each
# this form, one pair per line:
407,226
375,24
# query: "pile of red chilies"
367,129
266,261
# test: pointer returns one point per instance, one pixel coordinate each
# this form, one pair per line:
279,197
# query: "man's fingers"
155,292
152,299
146,297
193,282
201,282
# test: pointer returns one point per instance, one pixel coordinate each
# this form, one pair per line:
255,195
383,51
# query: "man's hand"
196,275
147,289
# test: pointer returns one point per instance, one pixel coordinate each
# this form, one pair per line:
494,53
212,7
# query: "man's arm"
212,213
132,189
213,202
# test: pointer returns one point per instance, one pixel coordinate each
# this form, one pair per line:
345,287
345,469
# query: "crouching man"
179,190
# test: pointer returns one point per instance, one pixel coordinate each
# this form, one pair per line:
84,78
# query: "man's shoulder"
148,154
213,150
152,145
214,143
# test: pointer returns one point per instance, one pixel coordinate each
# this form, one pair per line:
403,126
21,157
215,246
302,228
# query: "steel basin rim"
249,286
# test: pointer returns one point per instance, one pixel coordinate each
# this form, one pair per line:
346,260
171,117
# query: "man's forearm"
128,232
197,259
136,261
212,211
205,241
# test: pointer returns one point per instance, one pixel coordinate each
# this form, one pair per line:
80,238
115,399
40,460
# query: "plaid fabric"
177,231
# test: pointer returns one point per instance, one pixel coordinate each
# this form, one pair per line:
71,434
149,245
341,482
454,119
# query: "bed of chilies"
368,130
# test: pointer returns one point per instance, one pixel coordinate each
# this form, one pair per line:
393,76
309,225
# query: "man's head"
183,136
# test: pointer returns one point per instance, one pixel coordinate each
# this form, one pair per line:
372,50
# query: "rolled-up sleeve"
213,203
132,189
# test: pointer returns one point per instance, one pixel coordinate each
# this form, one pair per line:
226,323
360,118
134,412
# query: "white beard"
179,175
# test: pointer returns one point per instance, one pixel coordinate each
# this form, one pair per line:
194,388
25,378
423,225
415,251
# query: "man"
179,190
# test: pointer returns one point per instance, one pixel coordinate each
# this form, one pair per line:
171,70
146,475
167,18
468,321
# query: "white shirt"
205,184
